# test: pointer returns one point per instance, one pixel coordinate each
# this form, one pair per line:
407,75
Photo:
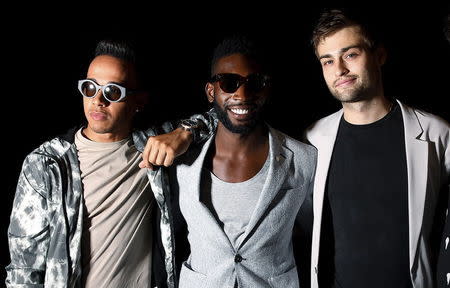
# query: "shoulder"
430,120
304,156
323,124
294,144
431,124
42,168
302,152
50,151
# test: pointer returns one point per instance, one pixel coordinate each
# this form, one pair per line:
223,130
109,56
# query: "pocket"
189,278
288,279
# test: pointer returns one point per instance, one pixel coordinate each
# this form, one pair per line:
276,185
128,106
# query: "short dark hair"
116,48
238,44
333,20
126,50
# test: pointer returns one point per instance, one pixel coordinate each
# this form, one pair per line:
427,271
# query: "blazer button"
237,258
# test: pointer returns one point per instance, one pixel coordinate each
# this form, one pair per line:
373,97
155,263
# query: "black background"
45,53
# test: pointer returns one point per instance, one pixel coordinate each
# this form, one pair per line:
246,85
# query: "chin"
347,97
100,129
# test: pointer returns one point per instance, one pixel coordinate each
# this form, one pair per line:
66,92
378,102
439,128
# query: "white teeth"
239,111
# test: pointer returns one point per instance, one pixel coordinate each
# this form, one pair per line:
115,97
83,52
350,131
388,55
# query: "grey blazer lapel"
280,159
416,146
194,188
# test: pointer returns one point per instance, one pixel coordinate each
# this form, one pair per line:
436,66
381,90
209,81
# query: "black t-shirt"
364,239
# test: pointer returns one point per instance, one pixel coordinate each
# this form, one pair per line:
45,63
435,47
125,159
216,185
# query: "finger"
170,156
160,158
148,166
153,155
168,160
146,153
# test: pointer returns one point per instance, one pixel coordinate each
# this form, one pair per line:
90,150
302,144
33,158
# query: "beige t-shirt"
116,240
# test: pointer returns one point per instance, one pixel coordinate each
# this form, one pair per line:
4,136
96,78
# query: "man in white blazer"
240,192
382,169
443,268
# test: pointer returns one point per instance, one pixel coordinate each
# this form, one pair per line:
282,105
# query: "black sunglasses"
111,91
230,82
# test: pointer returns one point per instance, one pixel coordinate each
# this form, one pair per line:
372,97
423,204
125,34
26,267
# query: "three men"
382,169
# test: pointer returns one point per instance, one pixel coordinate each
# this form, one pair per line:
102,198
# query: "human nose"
244,93
99,99
341,68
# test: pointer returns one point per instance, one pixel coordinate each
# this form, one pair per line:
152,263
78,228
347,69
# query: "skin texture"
236,157
352,73
110,122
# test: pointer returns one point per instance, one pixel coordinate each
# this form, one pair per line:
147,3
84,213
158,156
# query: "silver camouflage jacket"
47,215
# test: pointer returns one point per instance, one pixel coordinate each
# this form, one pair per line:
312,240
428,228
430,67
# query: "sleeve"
441,224
302,233
446,162
28,232
304,217
205,124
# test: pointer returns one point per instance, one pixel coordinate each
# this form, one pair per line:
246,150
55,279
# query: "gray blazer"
427,141
265,256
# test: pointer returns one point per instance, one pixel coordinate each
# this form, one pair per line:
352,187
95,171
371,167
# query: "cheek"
86,103
359,67
122,110
327,76
221,97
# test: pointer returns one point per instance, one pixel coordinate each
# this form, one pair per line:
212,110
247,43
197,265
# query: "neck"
366,111
228,143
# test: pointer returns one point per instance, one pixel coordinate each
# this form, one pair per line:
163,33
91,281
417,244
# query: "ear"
381,55
209,90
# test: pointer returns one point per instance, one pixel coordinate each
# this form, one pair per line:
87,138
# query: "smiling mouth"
345,82
240,111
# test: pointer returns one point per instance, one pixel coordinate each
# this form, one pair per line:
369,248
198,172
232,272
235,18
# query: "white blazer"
427,141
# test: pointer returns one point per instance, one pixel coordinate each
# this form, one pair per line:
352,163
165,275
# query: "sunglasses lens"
256,82
229,83
88,89
112,92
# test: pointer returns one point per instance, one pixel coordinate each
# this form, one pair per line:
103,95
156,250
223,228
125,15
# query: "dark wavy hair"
332,20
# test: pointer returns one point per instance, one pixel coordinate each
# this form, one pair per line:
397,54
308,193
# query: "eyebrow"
111,82
340,51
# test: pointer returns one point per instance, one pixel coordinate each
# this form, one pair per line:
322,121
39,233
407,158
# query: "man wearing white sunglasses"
84,213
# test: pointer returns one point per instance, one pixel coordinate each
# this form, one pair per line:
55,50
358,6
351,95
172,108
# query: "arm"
302,238
28,232
164,148
303,228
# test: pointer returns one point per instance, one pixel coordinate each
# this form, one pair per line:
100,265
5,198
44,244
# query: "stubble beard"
244,129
